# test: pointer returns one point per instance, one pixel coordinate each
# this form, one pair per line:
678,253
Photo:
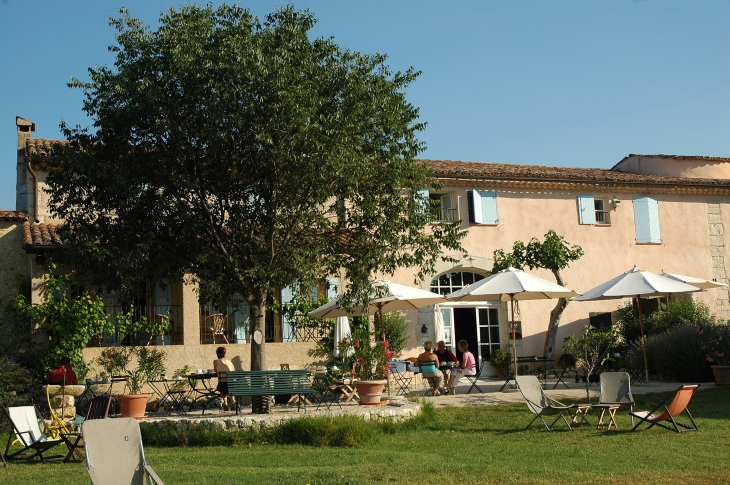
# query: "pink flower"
357,344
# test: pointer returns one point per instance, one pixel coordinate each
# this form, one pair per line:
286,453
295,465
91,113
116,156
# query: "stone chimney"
23,188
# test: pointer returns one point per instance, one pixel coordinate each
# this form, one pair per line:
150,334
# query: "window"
646,220
447,207
593,210
451,282
482,207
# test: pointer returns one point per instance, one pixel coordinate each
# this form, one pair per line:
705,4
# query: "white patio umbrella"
439,333
342,330
691,280
512,285
396,297
637,283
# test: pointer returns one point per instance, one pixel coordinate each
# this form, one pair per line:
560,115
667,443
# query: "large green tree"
554,254
247,154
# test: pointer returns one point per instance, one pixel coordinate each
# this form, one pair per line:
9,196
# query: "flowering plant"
367,357
716,346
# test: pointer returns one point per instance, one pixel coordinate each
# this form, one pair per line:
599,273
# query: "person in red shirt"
63,375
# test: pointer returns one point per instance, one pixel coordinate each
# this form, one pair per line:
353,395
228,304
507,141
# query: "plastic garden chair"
539,403
677,406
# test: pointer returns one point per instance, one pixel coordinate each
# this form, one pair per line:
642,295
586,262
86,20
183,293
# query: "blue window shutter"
489,207
586,209
333,285
646,220
423,200
288,332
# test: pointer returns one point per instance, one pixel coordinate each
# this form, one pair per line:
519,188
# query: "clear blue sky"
571,83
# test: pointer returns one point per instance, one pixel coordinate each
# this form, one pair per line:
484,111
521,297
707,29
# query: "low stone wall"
396,412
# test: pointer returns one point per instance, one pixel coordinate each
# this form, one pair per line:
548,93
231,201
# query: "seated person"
222,365
467,367
434,376
63,375
444,356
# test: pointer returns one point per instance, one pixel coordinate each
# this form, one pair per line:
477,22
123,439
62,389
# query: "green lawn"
464,445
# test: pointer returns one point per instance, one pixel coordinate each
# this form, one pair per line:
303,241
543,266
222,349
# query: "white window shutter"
646,220
489,207
586,209
288,333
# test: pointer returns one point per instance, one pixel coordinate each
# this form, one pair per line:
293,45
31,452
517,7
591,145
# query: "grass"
486,444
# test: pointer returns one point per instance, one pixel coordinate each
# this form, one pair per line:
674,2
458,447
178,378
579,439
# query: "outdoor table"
528,365
200,384
347,388
611,408
581,414
324,383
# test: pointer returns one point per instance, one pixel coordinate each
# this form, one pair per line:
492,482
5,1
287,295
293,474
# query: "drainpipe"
35,193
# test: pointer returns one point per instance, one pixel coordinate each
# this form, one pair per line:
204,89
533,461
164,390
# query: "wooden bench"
269,383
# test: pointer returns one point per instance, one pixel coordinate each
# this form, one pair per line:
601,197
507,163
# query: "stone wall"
13,259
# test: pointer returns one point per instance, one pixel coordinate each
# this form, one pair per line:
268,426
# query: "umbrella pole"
643,340
514,334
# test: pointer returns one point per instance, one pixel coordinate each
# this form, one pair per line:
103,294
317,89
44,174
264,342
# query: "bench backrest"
270,381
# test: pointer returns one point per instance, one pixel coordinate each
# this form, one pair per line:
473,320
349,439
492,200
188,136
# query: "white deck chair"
114,453
27,430
539,403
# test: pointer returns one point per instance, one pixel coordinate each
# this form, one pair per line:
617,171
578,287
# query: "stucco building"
654,211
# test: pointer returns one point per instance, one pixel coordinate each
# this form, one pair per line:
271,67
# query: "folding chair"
475,378
114,452
401,382
428,371
27,431
539,403
615,391
677,406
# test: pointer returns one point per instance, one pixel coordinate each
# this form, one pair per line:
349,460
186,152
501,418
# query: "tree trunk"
257,305
555,315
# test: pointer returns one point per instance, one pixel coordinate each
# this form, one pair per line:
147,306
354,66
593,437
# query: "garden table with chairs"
534,365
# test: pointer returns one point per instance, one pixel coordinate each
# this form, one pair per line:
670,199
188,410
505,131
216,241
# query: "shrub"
677,354
17,383
396,331
658,320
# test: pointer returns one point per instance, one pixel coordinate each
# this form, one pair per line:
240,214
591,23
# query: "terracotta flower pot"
370,392
722,374
133,405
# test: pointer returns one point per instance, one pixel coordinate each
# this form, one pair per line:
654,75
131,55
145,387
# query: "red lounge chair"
677,406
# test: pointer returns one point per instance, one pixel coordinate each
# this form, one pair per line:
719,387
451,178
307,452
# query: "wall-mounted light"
40,258
616,203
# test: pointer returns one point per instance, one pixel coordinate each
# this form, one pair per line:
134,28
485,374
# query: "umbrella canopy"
342,330
396,297
509,285
439,333
691,280
636,283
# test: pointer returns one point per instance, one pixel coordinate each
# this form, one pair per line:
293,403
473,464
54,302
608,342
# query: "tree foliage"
248,155
591,349
554,254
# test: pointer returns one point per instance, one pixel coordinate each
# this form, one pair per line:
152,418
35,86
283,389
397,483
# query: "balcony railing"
447,215
602,217
153,313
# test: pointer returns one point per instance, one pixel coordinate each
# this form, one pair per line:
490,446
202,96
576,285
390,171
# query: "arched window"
454,281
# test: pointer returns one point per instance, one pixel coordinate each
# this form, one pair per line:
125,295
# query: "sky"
563,83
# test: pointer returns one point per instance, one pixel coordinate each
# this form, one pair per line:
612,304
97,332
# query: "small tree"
554,253
591,349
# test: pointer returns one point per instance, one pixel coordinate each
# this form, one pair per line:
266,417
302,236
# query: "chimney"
22,187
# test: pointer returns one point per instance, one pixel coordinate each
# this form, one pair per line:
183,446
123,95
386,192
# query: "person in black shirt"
445,355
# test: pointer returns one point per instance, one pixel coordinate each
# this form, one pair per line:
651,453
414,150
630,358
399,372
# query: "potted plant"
500,360
369,360
718,350
137,365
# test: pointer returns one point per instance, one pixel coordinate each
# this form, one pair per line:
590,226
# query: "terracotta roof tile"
40,234
40,146
508,171
13,215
